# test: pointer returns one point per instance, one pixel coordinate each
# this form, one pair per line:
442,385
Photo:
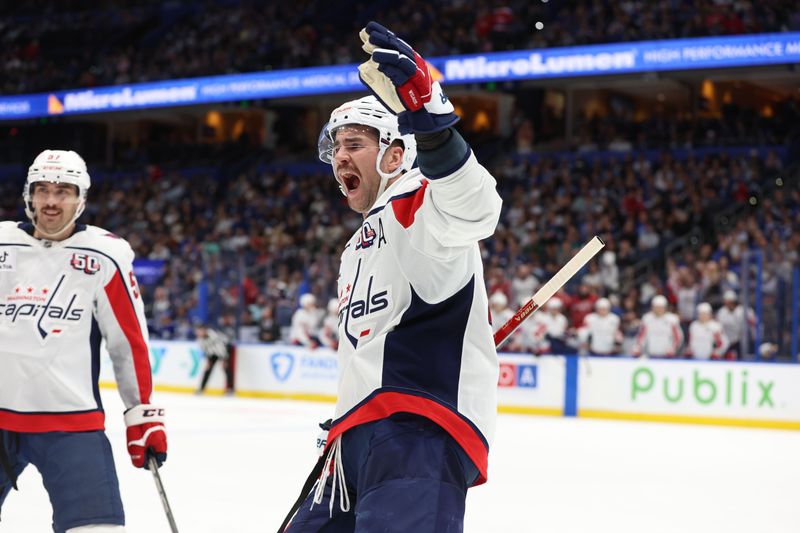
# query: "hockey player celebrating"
64,287
416,404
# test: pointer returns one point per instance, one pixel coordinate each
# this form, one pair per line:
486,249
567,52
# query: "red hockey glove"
400,78
146,434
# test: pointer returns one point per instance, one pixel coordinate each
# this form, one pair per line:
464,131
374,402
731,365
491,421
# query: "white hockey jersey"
659,336
545,326
414,332
707,339
305,327
500,318
601,332
57,301
734,322
329,332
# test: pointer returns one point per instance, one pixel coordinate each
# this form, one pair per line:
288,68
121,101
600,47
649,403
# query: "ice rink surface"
236,465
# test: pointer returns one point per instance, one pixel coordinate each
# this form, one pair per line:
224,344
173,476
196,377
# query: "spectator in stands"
164,327
498,281
686,292
631,323
161,304
668,184
581,305
227,326
600,333
660,333
707,339
652,286
269,330
256,309
305,323
216,346
524,284
609,271
190,43
593,278
249,329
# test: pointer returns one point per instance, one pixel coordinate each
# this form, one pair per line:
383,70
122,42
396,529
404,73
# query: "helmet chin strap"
385,176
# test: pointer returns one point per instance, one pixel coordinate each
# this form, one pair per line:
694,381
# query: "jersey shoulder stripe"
405,206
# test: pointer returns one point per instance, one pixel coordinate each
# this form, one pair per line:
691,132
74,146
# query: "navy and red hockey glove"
146,434
400,78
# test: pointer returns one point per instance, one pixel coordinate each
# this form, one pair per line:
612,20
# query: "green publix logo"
733,389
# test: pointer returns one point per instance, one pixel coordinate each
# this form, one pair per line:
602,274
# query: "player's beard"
54,221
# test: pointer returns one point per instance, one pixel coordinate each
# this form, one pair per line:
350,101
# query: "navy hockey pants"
404,474
78,472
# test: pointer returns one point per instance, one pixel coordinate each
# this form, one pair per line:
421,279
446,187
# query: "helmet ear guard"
368,111
57,166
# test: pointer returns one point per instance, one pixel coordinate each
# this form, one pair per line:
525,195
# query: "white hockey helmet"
704,308
57,166
498,299
333,305
368,111
602,303
729,296
659,301
307,300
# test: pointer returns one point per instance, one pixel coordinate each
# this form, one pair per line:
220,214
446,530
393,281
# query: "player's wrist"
144,414
432,141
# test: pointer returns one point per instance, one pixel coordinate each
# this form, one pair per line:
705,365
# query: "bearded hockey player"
418,366
63,288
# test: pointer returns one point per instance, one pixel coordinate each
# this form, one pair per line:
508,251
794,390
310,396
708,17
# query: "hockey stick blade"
578,261
153,464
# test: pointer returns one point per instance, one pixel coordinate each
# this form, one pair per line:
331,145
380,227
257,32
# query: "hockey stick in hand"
153,464
578,261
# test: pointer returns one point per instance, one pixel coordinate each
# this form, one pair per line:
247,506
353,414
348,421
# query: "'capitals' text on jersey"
56,304
414,333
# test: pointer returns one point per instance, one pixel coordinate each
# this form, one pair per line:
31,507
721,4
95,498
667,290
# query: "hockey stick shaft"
162,493
578,261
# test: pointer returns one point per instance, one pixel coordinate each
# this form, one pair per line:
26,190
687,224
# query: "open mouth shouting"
350,181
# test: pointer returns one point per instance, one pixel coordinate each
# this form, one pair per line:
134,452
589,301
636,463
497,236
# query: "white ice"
236,465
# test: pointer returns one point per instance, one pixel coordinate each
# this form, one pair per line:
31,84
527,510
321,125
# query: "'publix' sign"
733,387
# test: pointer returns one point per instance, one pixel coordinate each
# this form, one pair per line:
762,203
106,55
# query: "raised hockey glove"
146,434
400,78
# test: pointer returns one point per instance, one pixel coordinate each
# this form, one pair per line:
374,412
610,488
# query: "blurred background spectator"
693,189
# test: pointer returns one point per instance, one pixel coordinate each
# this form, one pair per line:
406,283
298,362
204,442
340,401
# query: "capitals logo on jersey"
358,311
367,236
50,309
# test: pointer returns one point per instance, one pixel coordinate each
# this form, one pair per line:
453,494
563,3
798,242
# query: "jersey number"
133,285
